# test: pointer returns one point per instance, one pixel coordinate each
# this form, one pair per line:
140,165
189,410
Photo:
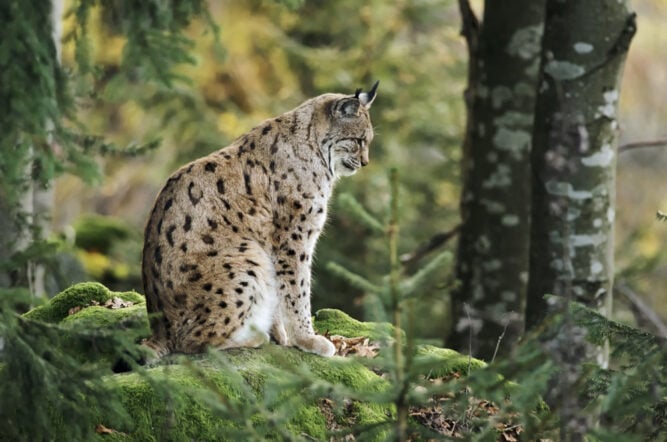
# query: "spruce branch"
354,279
350,204
424,277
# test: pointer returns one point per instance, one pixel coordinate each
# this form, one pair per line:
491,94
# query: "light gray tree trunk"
574,156
574,162
492,260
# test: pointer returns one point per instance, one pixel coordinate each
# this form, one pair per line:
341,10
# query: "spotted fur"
230,240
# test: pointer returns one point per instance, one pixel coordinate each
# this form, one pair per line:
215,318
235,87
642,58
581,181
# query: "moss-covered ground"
238,394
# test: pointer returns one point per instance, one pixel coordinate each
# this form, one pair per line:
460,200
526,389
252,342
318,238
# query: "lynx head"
349,132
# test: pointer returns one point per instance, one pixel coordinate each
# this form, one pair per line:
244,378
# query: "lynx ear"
366,98
347,107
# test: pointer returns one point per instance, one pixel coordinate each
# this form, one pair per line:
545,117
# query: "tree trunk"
492,260
574,155
574,161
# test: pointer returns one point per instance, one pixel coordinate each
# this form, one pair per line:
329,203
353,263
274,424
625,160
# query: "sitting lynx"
229,243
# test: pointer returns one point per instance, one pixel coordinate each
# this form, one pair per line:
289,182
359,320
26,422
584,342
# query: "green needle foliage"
530,391
393,300
41,135
42,370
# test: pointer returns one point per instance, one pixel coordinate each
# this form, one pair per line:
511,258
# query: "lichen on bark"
574,156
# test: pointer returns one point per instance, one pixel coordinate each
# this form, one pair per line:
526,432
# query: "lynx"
229,244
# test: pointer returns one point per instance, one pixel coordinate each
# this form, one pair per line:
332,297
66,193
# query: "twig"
513,427
467,309
500,339
640,309
433,243
639,144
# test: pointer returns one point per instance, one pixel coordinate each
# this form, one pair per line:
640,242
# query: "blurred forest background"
269,57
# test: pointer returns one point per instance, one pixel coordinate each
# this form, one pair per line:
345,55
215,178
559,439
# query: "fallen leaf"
74,310
116,302
101,429
359,346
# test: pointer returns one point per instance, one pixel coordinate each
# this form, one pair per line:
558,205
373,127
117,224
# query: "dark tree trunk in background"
492,261
574,156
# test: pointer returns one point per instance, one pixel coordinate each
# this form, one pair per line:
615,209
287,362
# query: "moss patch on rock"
82,295
444,361
229,395
335,322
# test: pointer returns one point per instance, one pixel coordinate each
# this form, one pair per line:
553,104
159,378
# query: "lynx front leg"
293,272
278,329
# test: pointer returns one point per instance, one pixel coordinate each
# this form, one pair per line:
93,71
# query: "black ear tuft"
357,92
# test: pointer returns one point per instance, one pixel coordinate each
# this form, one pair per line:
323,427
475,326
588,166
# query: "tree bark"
574,163
492,259
574,155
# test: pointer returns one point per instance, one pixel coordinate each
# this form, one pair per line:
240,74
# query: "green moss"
444,361
336,322
159,412
88,334
132,317
225,395
309,420
78,295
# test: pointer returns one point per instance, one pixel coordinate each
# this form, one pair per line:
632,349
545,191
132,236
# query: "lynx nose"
364,159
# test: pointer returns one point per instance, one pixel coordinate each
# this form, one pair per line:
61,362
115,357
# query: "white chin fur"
342,170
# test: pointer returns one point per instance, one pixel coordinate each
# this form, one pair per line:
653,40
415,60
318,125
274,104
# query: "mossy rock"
84,296
224,395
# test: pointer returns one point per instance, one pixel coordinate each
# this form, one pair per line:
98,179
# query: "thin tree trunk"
492,261
24,217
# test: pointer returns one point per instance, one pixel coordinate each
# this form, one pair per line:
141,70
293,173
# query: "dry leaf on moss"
360,346
117,302
74,310
78,308
101,429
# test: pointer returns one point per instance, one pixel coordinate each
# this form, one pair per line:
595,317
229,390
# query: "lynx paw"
153,350
316,344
